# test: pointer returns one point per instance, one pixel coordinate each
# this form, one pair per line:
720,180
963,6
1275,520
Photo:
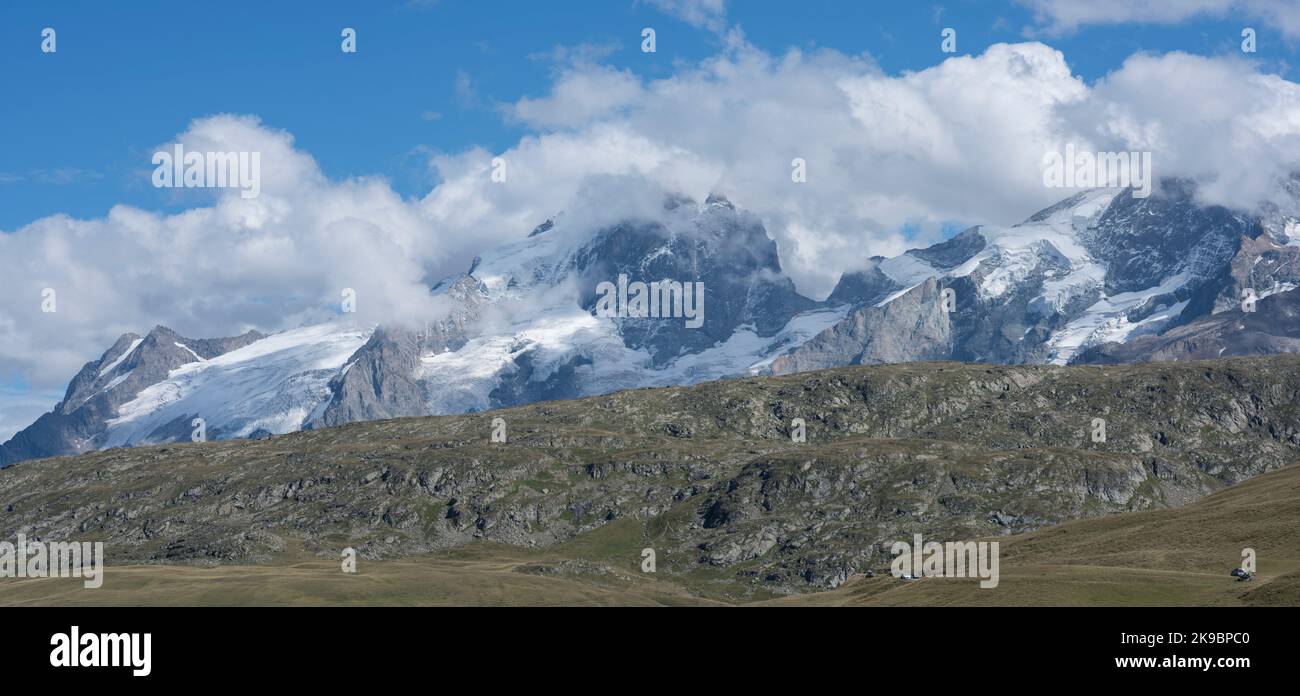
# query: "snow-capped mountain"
1100,277
272,385
103,387
519,327
1099,268
523,327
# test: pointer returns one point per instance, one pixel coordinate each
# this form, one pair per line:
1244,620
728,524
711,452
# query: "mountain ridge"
1097,277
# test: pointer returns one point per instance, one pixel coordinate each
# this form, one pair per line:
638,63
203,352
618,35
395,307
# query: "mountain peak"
719,200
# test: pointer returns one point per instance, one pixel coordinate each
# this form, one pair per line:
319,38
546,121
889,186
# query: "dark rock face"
380,383
867,286
1141,239
521,387
729,252
129,366
955,251
912,327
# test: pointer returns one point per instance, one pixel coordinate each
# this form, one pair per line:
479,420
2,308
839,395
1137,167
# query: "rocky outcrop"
913,327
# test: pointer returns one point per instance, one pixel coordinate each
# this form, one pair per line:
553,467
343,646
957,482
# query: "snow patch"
126,353
1277,288
1107,320
461,381
906,269
116,381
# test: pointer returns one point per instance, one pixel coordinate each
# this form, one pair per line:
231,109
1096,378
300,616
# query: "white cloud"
466,94
1062,16
272,262
707,14
1236,143
580,95
960,142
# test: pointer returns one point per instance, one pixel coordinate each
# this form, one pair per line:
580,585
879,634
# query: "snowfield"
273,384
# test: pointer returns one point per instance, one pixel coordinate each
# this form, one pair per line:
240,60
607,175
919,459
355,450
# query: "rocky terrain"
707,475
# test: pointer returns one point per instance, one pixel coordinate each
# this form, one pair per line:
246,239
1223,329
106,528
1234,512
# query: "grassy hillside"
1178,557
1175,557
709,477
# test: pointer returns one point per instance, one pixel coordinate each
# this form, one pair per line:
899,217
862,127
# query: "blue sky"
77,127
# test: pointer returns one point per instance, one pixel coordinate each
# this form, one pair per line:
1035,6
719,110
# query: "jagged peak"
718,200
123,340
160,330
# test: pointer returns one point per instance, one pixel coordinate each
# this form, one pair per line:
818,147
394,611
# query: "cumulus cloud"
733,125
892,160
1238,144
960,142
273,262
1062,16
582,94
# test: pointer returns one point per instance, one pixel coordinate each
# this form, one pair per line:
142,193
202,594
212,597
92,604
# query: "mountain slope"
1101,266
706,475
1172,557
272,385
1272,327
79,422
523,327
1169,557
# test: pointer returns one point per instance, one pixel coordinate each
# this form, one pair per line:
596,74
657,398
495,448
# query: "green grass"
1168,557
